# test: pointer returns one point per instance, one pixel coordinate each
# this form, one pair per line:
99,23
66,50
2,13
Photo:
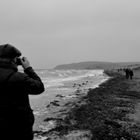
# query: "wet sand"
109,112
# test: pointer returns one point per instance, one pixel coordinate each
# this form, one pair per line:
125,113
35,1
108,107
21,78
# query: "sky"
53,32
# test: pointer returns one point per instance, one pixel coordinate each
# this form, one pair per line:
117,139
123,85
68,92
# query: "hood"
6,69
4,74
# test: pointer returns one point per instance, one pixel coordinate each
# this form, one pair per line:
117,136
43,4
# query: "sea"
62,85
58,78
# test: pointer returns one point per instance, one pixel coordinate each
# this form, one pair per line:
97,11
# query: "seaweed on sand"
103,111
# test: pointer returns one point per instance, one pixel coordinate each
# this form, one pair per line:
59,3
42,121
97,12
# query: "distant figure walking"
127,73
16,116
131,73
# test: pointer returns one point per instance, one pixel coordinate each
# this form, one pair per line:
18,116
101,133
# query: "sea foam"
56,78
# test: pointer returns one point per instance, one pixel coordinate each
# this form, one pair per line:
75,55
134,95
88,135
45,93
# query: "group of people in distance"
128,73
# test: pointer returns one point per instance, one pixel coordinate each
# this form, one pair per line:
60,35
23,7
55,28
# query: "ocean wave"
55,78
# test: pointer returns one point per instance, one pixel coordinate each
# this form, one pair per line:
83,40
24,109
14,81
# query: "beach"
64,88
110,111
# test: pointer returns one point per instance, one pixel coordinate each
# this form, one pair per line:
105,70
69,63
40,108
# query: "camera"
18,61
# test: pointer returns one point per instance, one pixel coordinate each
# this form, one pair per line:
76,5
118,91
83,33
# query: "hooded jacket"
15,88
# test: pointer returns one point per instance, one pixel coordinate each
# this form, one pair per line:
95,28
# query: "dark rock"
112,123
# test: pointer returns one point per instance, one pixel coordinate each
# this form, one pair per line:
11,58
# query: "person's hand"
25,63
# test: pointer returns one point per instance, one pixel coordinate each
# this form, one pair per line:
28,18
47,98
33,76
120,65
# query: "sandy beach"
108,112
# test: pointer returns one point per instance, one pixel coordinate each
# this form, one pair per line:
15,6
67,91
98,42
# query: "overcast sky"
52,32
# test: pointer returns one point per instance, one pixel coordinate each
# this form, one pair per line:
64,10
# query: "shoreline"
104,113
75,99
59,100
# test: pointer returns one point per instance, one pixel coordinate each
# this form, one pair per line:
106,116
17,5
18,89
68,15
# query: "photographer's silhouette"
16,117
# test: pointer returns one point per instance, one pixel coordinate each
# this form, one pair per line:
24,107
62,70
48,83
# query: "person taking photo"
16,114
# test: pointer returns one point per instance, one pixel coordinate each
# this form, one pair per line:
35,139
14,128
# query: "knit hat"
9,51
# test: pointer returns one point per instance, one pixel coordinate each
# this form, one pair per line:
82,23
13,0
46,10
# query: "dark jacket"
15,88
19,85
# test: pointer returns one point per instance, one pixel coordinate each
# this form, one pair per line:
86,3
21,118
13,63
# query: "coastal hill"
98,65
